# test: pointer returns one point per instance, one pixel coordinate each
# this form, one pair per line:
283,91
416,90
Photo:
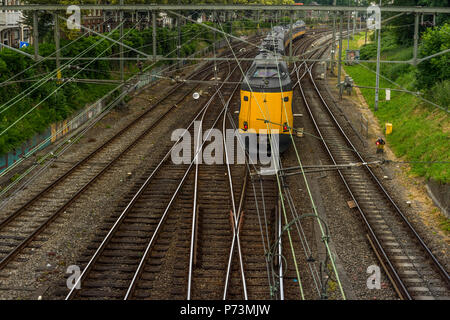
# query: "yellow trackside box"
388,128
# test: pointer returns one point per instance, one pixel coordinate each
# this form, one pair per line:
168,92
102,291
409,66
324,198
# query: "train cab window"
265,73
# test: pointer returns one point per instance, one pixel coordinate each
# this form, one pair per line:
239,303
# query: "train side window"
245,98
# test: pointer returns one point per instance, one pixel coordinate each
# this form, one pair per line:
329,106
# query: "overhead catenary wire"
70,140
311,198
275,162
28,91
38,62
54,91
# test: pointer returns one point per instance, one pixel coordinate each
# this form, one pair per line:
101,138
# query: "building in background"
13,31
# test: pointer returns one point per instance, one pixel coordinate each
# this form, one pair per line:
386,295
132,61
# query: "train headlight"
245,126
285,127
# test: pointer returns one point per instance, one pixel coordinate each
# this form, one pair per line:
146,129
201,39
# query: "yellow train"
266,93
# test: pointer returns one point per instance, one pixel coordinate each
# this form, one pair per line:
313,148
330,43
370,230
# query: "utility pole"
333,46
377,84
179,38
365,37
154,34
416,38
56,36
290,37
257,19
35,35
360,22
122,76
340,54
348,27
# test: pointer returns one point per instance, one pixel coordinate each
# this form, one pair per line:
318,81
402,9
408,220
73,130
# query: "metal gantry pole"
35,35
377,84
179,39
290,37
416,38
57,43
257,26
365,37
154,34
122,75
348,27
333,46
340,54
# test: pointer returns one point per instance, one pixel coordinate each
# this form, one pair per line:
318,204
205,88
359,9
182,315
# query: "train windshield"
265,72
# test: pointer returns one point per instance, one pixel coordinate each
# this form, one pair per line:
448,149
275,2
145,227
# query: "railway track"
24,223
133,257
413,269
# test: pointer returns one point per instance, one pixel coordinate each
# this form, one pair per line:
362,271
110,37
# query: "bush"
438,68
439,93
368,51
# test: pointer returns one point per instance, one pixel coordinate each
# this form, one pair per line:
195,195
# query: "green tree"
436,69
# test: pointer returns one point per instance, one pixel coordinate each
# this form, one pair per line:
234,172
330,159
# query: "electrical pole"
340,54
348,27
365,37
416,38
56,36
122,76
290,37
154,34
257,26
333,46
377,84
35,35
179,38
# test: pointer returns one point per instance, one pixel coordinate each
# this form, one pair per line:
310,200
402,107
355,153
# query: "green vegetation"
420,131
60,103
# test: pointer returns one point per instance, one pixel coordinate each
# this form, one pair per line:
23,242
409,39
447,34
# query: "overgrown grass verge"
421,132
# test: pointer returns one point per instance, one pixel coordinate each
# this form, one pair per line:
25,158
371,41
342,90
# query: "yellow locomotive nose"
266,111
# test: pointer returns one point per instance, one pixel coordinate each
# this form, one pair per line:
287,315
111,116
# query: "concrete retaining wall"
440,193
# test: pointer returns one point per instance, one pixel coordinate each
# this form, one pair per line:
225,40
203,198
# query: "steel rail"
236,240
194,207
127,208
8,219
428,252
391,269
6,259
53,216
164,216
396,279
280,251
89,156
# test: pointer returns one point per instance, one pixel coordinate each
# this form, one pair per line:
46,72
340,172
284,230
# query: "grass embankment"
421,132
